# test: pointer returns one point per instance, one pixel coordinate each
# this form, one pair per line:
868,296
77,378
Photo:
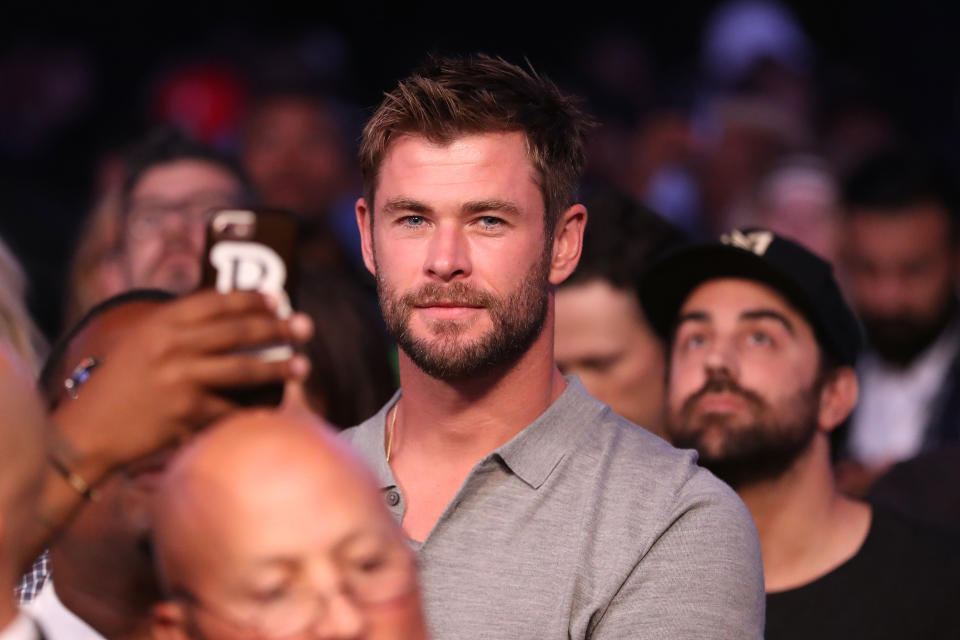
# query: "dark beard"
517,322
899,340
751,453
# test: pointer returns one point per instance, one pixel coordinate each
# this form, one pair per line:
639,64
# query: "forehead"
912,226
595,311
183,178
290,110
473,166
728,299
299,515
106,329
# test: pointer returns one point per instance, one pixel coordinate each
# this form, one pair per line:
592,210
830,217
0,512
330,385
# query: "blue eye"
694,341
413,221
491,222
759,339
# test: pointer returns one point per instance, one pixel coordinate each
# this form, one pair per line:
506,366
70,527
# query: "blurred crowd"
852,230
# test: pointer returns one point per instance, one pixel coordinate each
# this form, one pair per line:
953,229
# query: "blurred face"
801,205
166,222
27,443
743,385
458,247
294,153
901,271
602,336
323,560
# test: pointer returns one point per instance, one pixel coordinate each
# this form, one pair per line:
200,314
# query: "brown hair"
449,97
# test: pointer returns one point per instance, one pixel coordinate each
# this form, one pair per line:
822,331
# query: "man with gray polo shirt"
535,510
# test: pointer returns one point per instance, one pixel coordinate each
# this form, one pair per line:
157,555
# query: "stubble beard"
517,321
744,452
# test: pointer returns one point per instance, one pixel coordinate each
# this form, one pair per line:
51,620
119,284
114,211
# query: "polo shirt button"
393,498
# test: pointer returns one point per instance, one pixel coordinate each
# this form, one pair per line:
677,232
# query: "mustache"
720,382
458,294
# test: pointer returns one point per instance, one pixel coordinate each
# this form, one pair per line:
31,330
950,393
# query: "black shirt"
904,582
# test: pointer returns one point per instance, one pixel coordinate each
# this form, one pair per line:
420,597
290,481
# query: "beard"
740,451
517,321
900,339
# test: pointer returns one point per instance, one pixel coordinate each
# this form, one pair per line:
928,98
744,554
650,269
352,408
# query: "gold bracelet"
74,480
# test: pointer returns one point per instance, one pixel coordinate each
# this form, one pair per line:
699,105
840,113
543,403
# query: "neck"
107,582
806,526
466,420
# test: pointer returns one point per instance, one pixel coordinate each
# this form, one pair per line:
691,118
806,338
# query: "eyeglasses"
375,578
149,216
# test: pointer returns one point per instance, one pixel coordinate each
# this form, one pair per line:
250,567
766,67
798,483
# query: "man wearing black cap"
760,372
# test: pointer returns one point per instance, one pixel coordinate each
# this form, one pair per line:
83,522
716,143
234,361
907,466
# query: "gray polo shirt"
584,526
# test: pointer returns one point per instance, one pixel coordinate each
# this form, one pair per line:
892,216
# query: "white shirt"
22,628
57,622
895,403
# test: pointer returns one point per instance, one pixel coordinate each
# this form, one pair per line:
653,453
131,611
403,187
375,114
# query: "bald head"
266,511
23,432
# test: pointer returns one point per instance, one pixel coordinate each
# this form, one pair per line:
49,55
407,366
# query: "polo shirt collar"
372,439
535,452
531,455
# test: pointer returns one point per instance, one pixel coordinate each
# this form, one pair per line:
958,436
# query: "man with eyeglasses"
268,526
172,186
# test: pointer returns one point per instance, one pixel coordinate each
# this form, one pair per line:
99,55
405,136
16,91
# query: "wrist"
74,446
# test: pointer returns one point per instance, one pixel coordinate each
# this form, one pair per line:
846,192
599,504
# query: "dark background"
902,56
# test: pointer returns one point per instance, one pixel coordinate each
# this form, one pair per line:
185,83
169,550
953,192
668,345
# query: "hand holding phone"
254,250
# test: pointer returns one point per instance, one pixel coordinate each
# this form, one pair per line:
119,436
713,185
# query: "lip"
723,402
447,311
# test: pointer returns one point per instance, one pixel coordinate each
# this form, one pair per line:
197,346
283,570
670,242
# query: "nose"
448,255
343,620
888,295
722,356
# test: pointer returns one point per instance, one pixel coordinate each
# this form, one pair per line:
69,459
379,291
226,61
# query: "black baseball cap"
805,279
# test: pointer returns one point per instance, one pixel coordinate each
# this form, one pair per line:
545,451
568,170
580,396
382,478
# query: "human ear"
567,243
168,621
838,397
365,224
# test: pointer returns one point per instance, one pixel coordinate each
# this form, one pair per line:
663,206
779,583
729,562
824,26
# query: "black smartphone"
254,249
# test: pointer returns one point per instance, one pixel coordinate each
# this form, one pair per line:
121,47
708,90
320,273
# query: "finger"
244,370
239,332
250,329
208,304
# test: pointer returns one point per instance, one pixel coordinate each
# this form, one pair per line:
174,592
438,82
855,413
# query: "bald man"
23,432
268,526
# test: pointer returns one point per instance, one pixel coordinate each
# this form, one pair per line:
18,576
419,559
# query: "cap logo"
754,241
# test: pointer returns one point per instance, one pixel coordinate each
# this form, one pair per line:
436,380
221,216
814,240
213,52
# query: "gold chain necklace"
393,422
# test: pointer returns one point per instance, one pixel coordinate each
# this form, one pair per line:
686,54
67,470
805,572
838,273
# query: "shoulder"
904,535
690,540
659,497
655,471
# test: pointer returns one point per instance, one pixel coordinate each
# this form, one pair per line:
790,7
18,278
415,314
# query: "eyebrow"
693,316
751,314
405,204
474,206
759,314
479,206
